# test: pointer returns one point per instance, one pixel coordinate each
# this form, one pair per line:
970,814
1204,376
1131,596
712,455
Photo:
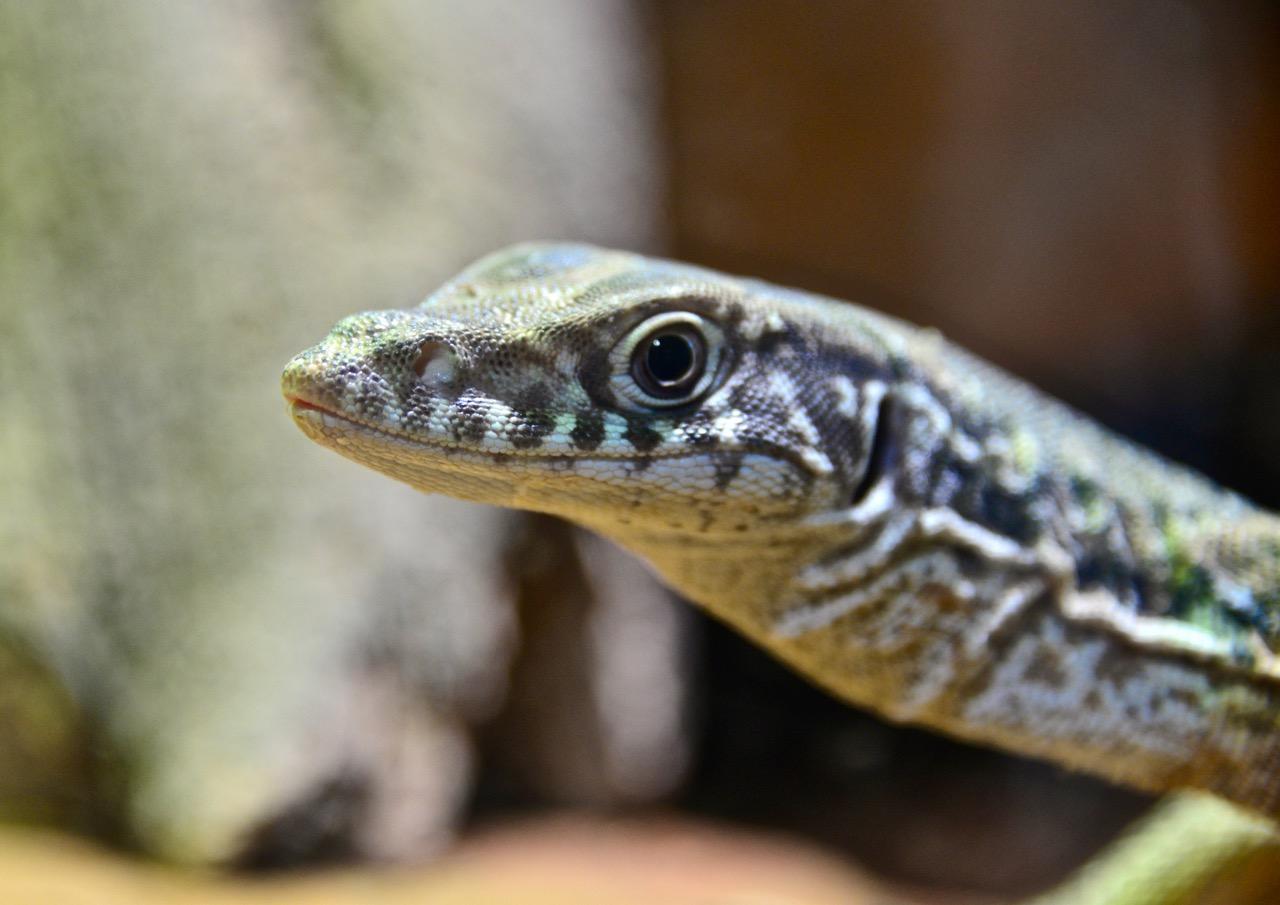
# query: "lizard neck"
928,614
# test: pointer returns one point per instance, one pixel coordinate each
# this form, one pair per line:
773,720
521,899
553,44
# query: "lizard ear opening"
883,450
668,360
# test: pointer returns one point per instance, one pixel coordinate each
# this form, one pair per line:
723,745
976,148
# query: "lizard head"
658,403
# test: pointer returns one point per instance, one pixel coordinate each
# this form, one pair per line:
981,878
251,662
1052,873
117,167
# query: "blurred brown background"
1087,194
220,647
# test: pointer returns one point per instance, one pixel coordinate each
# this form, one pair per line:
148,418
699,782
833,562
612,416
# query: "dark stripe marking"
640,435
588,430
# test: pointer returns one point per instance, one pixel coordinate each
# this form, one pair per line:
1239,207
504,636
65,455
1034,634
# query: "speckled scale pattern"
912,528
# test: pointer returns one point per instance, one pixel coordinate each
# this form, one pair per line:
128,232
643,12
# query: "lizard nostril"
436,363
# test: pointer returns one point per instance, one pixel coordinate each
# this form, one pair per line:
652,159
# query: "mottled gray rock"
229,643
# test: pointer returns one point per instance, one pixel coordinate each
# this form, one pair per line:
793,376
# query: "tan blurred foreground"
565,861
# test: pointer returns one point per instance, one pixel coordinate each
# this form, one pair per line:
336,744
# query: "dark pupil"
669,357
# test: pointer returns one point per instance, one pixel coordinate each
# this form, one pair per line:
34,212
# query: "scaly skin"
910,527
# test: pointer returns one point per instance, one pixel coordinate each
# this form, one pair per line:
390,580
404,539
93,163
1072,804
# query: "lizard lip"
303,409
306,412
298,404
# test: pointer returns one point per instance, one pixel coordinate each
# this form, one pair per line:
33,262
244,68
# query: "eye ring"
668,360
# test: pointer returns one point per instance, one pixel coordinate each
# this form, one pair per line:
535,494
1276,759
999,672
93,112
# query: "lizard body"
914,529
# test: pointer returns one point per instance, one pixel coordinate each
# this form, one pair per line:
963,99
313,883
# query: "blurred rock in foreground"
225,643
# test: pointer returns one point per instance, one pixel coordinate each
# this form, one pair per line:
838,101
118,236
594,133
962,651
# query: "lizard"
913,529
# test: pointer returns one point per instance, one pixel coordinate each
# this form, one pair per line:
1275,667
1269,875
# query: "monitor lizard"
913,529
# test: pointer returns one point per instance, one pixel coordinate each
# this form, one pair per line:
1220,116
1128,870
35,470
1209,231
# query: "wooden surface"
558,861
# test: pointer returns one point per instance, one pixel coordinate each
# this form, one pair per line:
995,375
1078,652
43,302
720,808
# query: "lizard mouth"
317,421
311,416
297,405
341,432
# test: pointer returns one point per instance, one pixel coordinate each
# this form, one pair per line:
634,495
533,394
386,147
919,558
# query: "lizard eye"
668,360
